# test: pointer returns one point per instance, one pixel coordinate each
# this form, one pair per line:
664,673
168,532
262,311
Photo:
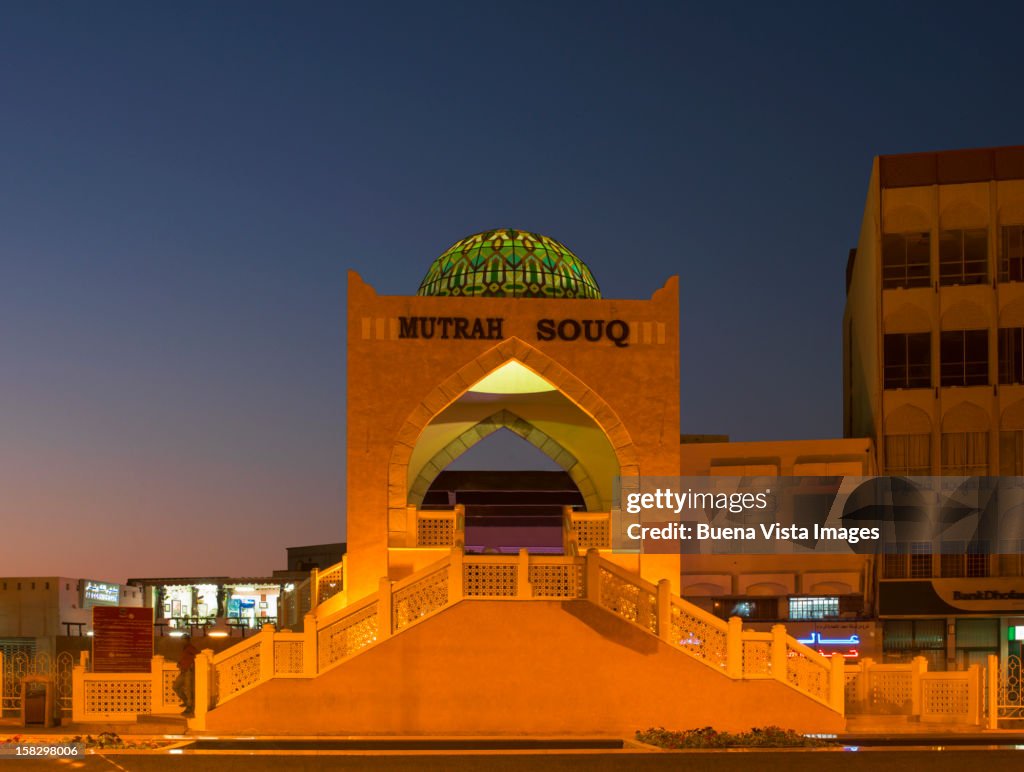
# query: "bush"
759,737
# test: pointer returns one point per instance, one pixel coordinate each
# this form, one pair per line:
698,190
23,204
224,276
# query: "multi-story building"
933,339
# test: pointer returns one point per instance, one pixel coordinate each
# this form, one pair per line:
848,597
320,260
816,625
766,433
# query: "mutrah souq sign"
491,328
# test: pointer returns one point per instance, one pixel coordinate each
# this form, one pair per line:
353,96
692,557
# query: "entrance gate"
15,667
1009,703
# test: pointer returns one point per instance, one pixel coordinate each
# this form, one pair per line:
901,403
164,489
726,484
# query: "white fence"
909,689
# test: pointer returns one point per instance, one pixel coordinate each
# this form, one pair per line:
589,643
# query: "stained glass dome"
507,263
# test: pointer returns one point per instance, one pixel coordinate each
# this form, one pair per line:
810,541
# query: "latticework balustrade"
237,672
348,635
946,696
757,658
420,599
288,657
629,600
329,583
435,531
810,674
592,532
698,637
118,696
490,579
557,580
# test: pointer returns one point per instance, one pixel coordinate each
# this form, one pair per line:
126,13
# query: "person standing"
185,684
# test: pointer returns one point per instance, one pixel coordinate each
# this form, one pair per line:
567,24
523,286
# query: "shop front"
953,623
252,605
187,604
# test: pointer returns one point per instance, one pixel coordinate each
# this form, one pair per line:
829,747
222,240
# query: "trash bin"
36,701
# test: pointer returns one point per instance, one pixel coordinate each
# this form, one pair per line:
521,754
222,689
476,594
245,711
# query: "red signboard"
122,639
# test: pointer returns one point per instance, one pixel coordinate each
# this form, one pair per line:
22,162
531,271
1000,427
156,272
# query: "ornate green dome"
507,263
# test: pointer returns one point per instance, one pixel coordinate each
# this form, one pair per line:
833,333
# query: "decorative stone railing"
123,696
438,527
330,639
327,583
910,689
582,531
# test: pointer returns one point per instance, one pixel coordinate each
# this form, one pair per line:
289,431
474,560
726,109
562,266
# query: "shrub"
759,737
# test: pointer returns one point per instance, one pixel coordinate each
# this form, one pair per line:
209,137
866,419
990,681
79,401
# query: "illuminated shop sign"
100,594
817,641
491,328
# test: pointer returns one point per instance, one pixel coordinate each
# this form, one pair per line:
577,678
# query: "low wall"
519,668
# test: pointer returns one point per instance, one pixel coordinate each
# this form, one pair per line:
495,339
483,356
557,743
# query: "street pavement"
873,760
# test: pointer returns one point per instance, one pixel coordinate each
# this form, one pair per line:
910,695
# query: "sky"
183,188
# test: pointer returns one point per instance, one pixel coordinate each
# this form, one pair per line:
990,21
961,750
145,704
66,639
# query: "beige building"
40,609
818,597
933,342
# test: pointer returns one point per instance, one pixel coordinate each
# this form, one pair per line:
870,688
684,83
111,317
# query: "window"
747,608
908,455
906,259
951,561
959,559
963,257
965,454
1011,454
1011,253
1011,558
903,639
976,559
908,360
963,356
920,560
895,561
814,607
1011,354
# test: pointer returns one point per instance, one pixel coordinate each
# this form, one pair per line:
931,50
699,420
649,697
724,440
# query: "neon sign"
815,640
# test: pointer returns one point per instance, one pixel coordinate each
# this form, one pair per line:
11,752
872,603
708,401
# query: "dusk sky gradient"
183,188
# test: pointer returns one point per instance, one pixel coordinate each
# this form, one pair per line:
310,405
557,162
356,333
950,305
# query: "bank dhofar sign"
122,639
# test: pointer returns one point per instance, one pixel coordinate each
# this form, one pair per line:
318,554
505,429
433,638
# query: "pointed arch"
453,387
907,219
506,419
965,417
908,317
1012,314
1013,417
965,315
908,419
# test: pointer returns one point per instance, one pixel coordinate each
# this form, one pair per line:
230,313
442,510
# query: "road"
874,760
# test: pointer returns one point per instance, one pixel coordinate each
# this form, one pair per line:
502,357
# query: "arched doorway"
512,495
547,407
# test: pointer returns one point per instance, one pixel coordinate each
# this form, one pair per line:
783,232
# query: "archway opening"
513,495
517,454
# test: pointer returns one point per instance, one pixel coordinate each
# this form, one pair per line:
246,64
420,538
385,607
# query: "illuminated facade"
492,602
933,342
